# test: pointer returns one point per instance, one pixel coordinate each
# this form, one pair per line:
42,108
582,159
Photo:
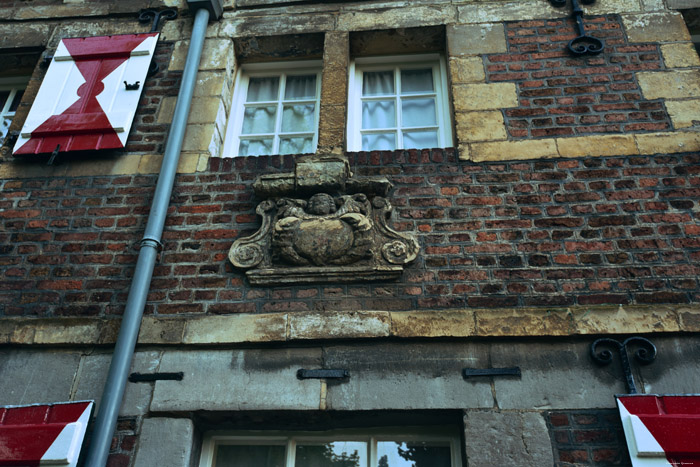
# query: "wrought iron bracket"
156,16
645,354
149,377
133,86
322,374
52,159
583,44
475,372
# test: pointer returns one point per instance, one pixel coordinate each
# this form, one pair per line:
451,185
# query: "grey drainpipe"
113,393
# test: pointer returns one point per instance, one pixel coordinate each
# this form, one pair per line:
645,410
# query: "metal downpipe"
106,421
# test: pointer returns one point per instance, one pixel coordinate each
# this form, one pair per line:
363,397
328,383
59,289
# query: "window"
398,103
275,110
11,91
348,448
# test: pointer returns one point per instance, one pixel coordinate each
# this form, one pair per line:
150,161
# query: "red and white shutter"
661,430
83,103
43,434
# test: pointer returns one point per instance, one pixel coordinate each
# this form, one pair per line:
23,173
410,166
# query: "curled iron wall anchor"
583,44
645,354
156,16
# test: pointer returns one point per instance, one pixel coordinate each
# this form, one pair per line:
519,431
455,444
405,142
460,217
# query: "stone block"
680,55
236,328
480,126
476,39
491,96
166,110
396,17
188,163
655,27
217,54
626,320
242,25
507,438
656,143
676,369
67,331
211,83
36,376
93,374
207,110
200,138
165,441
555,375
331,128
156,330
522,322
684,113
670,84
117,165
16,35
258,379
350,325
513,150
407,376
177,30
433,323
467,70
597,145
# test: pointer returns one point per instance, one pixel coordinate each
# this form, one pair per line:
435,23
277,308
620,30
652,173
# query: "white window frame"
290,439
282,69
14,85
361,65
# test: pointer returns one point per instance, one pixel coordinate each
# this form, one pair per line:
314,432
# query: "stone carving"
331,228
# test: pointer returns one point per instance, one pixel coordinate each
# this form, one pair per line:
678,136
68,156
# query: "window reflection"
413,454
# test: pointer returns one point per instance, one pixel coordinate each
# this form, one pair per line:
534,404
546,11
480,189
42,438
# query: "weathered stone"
202,138
289,46
115,165
597,145
514,150
217,54
480,126
675,370
618,320
16,35
684,113
239,25
523,322
421,40
92,375
476,39
157,330
655,27
165,441
656,143
680,55
236,328
166,109
393,18
238,380
506,438
427,376
491,96
670,84
494,12
433,323
554,376
342,325
32,377
467,70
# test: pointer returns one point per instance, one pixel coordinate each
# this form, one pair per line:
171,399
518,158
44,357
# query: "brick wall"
587,438
619,230
561,95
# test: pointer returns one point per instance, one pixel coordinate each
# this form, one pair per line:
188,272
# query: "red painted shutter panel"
83,103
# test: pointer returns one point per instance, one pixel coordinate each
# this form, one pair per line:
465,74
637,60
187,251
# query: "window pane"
420,139
413,454
378,114
416,80
3,99
300,87
249,456
334,454
255,147
378,142
263,89
259,120
16,99
377,83
299,145
418,112
298,117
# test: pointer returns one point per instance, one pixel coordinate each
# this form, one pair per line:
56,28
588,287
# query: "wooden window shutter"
83,102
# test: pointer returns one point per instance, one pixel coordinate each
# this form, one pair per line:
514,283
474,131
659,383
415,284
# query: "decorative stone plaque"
321,225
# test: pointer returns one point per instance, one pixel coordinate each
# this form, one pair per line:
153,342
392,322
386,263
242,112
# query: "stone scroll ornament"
332,231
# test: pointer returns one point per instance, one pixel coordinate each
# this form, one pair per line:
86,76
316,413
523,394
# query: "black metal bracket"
156,16
153,68
475,372
53,155
132,87
583,44
645,354
147,378
322,374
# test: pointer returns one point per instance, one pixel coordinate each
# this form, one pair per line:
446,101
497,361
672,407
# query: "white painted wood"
644,450
65,450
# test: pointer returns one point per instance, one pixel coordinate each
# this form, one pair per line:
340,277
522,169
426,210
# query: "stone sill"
324,326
